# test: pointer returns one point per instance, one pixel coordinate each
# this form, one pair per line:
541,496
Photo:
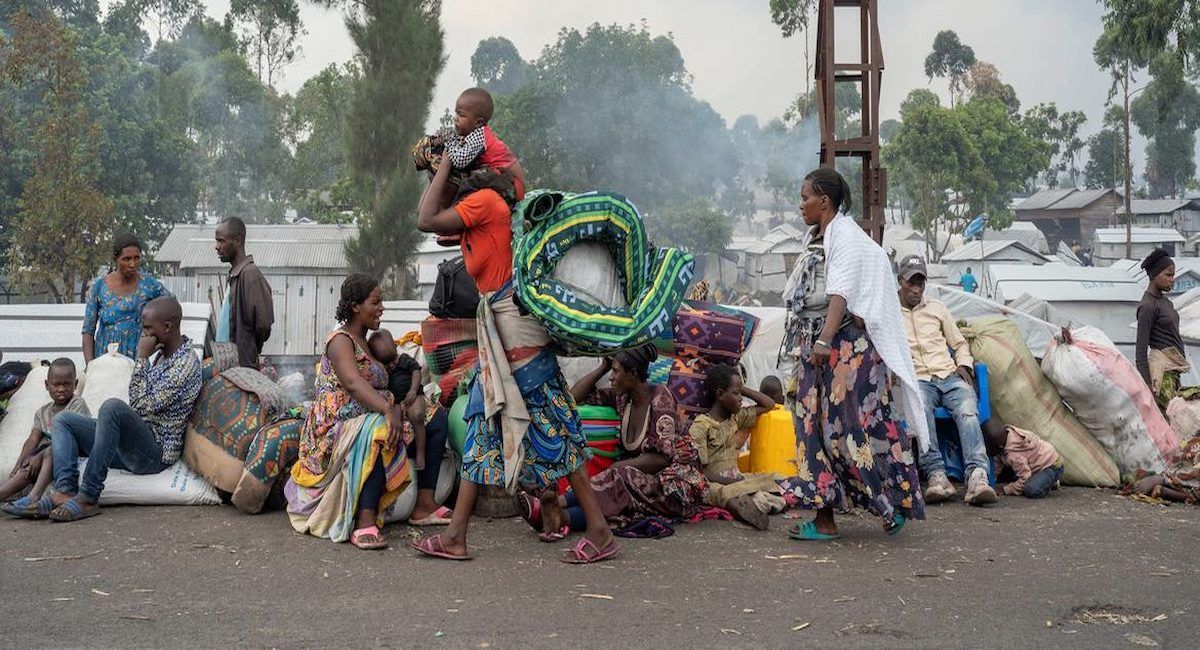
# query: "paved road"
1082,569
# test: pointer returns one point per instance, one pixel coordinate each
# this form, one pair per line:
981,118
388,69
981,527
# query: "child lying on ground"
34,465
1035,461
1181,484
720,435
404,383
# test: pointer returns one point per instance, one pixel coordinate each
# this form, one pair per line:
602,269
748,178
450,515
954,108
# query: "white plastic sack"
17,424
589,269
1184,416
177,485
106,377
403,507
1109,397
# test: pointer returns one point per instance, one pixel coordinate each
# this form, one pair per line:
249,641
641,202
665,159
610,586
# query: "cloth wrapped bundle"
686,383
602,426
655,280
239,445
705,330
451,351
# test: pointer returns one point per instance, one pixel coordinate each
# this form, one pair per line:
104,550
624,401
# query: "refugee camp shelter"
1106,298
304,263
1069,214
1182,215
1187,273
763,263
1109,243
977,255
1025,232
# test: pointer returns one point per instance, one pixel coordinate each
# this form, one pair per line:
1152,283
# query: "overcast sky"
742,65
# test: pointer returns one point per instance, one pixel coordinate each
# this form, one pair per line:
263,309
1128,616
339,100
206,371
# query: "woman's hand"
395,425
819,357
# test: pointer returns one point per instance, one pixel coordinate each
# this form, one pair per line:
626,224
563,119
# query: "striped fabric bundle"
602,426
655,279
451,351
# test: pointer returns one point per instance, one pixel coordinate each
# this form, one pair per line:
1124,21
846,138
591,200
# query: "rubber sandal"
531,509
72,510
372,531
555,535
435,547
807,532
26,509
585,551
897,524
439,517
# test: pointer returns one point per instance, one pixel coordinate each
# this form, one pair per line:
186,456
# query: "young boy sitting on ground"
34,465
404,383
1034,461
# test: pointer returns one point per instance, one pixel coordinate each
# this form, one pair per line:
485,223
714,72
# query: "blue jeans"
117,438
958,397
1042,481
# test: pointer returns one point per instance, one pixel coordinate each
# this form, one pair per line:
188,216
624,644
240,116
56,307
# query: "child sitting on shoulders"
1035,462
404,383
470,143
35,465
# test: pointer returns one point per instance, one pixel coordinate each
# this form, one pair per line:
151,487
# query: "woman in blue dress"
115,301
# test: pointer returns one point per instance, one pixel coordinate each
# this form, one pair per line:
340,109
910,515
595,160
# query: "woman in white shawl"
855,384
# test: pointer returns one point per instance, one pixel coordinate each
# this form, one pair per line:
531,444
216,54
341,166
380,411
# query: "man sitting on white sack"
144,436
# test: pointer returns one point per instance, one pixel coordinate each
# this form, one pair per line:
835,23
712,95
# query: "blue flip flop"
72,510
897,524
808,532
27,509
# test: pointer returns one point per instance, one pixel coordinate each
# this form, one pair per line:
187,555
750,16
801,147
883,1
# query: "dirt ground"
1084,568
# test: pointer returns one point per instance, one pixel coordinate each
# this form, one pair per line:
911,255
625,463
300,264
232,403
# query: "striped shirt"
163,392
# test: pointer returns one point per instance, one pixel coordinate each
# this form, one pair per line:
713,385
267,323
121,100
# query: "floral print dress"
851,443
626,493
117,318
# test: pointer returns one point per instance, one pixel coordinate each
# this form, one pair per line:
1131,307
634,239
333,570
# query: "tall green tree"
1008,158
496,65
267,32
64,217
1103,169
950,59
316,131
697,225
399,52
1167,113
1060,131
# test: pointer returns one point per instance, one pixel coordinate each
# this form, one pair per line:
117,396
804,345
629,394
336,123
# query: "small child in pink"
1035,461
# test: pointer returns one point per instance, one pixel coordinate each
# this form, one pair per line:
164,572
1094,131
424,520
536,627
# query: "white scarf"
857,269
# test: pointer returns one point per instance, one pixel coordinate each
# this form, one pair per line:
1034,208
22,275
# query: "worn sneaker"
938,488
978,491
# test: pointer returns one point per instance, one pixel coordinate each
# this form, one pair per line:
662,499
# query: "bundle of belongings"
1110,398
547,225
703,334
244,435
106,377
451,352
1023,397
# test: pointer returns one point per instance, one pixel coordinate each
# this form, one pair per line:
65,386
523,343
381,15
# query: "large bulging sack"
1109,397
18,420
1184,415
106,377
1023,397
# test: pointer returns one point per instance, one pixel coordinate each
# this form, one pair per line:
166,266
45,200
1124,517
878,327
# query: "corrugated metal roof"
318,246
1043,199
1138,236
1079,199
1155,206
973,250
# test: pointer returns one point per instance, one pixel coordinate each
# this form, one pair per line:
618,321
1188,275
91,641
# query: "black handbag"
454,291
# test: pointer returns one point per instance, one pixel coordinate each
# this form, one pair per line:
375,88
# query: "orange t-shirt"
487,240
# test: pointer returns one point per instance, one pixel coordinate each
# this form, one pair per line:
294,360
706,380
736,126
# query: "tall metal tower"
867,73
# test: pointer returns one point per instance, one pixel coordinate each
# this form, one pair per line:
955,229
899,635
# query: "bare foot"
553,516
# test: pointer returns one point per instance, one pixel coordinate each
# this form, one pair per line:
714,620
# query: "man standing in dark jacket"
246,313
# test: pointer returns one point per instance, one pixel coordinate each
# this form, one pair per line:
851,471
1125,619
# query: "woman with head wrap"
659,473
1160,354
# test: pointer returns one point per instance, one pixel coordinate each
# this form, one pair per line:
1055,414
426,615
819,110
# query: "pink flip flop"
439,517
555,535
585,551
435,547
380,543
